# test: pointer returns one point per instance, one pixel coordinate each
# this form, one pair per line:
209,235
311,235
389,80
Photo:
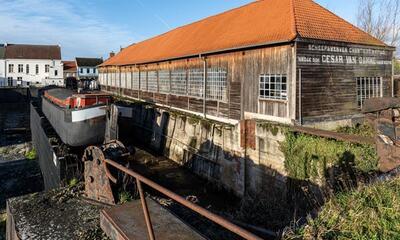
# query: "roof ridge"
354,28
197,21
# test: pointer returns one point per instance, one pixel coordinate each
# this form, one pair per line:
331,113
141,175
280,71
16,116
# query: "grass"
370,212
363,130
124,197
73,182
31,155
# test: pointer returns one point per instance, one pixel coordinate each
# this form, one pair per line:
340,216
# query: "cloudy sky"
93,28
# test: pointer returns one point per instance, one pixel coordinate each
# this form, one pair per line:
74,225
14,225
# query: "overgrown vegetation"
396,67
124,197
358,129
31,155
370,212
73,182
310,158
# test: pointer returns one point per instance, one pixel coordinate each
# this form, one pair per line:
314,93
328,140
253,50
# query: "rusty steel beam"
335,135
202,211
145,210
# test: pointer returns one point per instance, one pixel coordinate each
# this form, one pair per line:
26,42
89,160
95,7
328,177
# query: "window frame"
374,84
275,93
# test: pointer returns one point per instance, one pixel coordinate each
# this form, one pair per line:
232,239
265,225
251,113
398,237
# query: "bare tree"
380,18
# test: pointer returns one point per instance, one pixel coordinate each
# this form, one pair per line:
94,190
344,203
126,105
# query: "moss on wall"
309,157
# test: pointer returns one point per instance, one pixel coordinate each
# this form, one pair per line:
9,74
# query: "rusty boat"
78,118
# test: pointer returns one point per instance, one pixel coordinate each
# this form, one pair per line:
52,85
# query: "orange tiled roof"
257,23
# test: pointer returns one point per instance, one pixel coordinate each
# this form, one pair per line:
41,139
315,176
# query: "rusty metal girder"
98,178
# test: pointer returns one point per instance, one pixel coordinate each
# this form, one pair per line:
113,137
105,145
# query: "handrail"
202,211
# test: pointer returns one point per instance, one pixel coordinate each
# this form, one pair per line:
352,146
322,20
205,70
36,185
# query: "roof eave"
205,53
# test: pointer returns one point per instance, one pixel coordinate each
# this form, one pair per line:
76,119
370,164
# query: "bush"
310,157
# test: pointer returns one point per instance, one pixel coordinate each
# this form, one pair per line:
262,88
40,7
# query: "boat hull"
77,127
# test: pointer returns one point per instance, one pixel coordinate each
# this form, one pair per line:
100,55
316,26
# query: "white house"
26,65
87,68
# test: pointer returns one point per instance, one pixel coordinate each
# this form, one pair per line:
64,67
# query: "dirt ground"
18,175
57,214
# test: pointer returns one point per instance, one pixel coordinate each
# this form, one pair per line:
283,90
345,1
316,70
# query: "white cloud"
78,31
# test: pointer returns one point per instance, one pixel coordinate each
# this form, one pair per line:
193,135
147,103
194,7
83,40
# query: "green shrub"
31,155
309,157
73,182
125,197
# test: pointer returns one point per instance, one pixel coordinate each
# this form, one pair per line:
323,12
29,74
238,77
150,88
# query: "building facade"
70,69
88,68
289,61
26,65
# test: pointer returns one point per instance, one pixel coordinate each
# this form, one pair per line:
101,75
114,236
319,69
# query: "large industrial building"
289,61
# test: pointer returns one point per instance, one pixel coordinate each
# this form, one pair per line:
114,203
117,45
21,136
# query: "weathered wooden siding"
243,69
329,89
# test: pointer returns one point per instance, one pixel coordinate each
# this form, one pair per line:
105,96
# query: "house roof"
25,51
88,62
261,22
69,66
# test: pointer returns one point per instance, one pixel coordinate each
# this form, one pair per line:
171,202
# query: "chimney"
112,54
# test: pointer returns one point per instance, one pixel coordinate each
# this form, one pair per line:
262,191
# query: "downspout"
300,96
393,63
204,85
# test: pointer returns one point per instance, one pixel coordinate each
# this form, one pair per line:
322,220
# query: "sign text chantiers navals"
347,55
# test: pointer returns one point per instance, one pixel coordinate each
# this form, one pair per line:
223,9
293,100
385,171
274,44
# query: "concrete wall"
240,158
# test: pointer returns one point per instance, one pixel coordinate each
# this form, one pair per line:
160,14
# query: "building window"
19,81
11,68
10,81
143,80
368,87
94,70
216,84
37,68
128,77
81,70
122,77
152,81
135,80
178,82
55,72
87,70
273,86
46,68
20,68
163,81
195,82
27,68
